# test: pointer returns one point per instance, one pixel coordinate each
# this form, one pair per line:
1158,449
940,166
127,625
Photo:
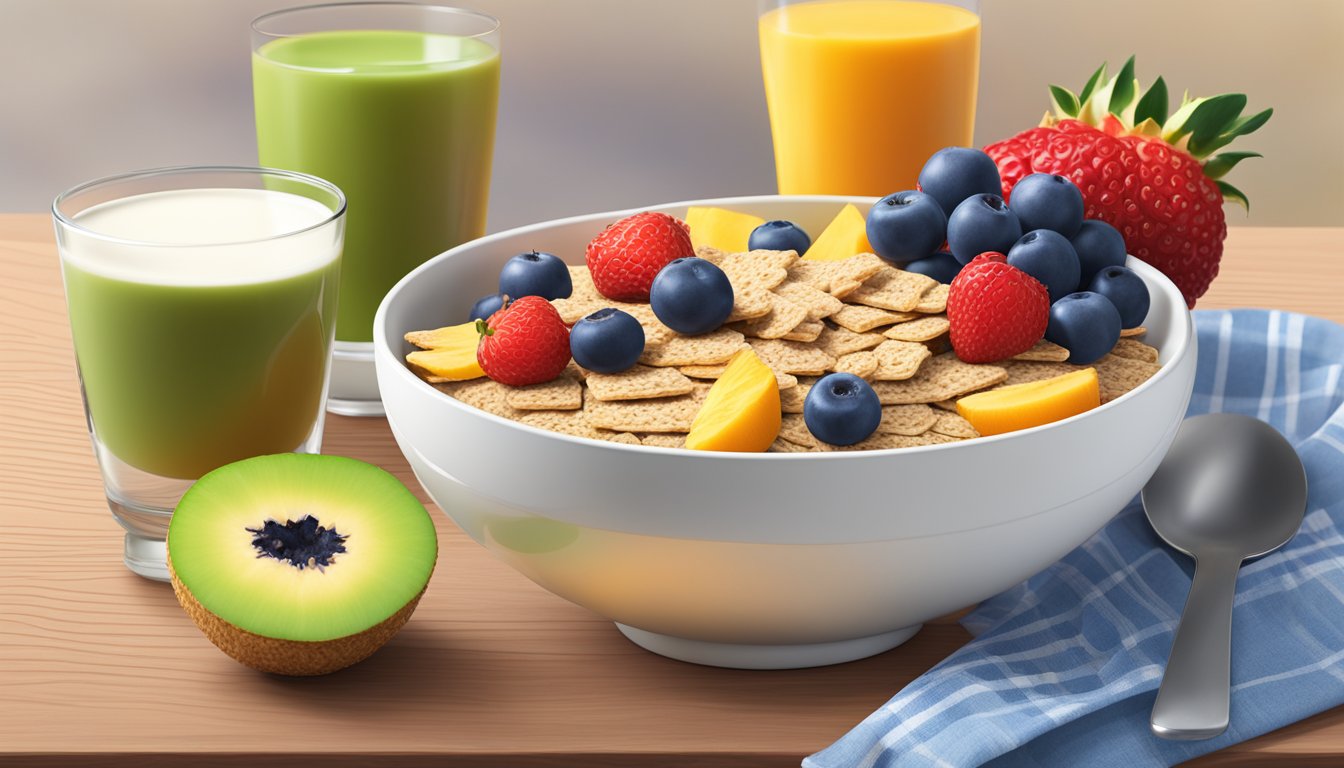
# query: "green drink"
400,115
202,308
244,378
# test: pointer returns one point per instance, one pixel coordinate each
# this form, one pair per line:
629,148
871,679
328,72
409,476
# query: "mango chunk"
741,411
1022,406
845,236
452,336
449,353
720,228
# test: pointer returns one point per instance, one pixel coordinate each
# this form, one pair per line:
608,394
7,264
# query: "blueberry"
1047,201
779,235
941,266
981,223
607,341
691,296
1127,292
1085,323
841,409
955,173
1099,245
486,306
905,226
1049,257
535,273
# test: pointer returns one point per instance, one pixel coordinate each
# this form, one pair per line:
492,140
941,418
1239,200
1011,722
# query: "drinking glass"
202,306
861,92
394,103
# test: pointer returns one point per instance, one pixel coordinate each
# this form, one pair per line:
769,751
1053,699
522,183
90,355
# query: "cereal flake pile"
804,319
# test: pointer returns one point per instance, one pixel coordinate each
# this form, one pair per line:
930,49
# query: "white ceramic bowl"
765,560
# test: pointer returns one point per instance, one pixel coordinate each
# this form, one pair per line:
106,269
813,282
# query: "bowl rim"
1151,276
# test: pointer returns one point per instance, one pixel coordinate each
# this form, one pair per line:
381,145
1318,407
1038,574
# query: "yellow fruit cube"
450,353
454,336
741,411
1032,404
720,228
845,236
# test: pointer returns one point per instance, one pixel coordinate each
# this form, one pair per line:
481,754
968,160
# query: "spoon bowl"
1230,488
1229,482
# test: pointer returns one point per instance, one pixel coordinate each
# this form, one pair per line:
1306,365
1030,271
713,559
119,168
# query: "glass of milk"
202,306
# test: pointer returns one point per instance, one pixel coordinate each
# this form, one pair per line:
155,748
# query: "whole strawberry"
995,310
524,342
1152,176
627,255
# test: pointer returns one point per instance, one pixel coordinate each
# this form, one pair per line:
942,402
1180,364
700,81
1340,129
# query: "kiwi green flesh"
388,539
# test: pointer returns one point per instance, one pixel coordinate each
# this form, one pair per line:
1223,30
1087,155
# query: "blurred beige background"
615,103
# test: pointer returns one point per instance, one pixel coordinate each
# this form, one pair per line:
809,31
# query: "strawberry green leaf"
1239,127
1233,195
1093,111
1214,116
1174,127
1245,125
1123,92
1202,149
1092,84
1153,105
1066,104
1218,165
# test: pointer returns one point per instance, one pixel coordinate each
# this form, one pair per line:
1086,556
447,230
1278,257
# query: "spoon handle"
1192,701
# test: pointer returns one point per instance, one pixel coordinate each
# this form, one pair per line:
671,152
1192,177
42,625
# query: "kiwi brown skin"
295,658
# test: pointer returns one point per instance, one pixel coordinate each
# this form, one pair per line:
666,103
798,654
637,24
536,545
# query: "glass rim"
450,10
765,6
309,179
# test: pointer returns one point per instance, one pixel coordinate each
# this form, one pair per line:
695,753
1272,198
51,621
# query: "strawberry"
626,256
524,342
996,310
1152,176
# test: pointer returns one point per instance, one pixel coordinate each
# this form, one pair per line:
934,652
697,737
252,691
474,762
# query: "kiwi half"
300,564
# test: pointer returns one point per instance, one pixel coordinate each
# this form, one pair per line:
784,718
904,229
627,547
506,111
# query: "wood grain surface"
100,667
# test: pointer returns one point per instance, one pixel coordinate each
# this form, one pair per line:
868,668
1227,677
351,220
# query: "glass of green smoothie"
202,306
395,104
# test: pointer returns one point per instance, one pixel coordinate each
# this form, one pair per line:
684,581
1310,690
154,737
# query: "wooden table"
101,667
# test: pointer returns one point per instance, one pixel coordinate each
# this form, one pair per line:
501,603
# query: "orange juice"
861,92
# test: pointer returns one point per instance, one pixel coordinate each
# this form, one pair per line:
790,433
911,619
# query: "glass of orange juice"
861,92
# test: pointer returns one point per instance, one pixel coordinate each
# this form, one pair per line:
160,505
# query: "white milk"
197,237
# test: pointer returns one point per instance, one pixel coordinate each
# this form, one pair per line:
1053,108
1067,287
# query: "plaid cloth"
1064,667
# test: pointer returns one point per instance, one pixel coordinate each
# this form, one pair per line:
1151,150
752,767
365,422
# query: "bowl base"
742,656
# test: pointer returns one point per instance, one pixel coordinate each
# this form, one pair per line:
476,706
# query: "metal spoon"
1230,488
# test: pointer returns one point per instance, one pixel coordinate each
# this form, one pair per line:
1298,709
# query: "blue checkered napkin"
1064,667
